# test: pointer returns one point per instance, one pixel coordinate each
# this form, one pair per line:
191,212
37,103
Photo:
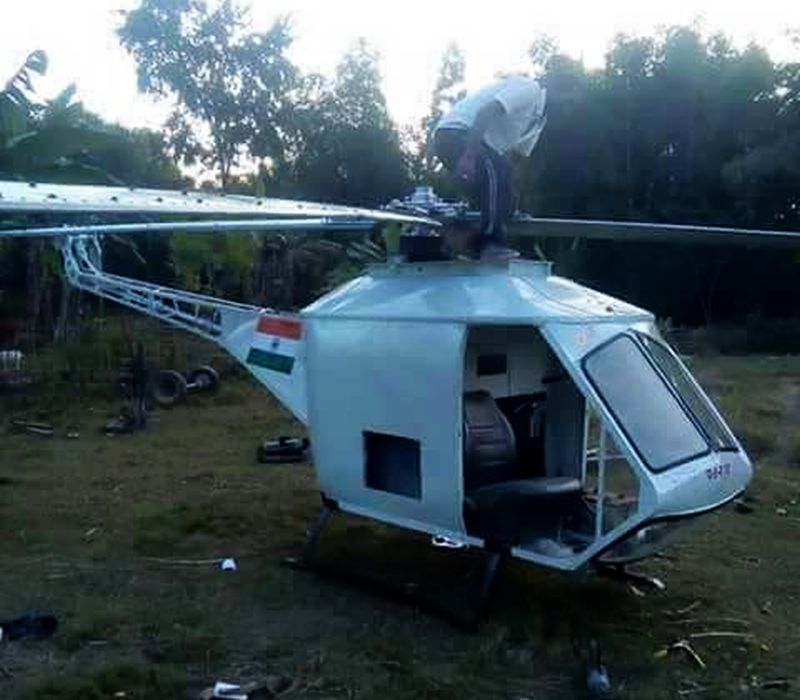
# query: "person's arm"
491,111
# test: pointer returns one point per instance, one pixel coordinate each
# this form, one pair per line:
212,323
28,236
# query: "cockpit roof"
518,292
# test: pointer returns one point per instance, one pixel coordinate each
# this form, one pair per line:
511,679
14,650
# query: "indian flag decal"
275,343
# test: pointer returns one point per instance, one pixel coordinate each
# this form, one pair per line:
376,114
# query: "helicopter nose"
704,484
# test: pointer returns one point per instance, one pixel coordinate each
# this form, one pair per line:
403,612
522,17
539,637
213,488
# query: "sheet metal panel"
49,198
396,378
519,293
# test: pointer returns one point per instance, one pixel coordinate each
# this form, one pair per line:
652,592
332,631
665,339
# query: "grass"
96,530
112,681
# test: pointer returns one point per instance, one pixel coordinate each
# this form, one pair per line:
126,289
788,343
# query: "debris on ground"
270,687
685,644
681,645
598,683
187,562
683,611
228,564
772,684
283,450
691,688
171,387
620,572
40,428
638,592
28,626
127,422
709,620
745,636
232,691
32,428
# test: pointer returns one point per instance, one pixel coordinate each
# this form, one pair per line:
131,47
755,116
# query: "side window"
392,464
491,365
647,411
699,404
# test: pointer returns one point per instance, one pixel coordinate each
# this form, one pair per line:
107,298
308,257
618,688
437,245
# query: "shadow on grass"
166,529
134,681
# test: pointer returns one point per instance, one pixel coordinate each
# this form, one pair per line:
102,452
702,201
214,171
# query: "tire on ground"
204,378
170,388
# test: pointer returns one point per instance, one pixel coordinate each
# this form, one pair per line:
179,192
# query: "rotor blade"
641,231
236,226
31,197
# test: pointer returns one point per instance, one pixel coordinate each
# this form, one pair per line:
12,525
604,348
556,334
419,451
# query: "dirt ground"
110,535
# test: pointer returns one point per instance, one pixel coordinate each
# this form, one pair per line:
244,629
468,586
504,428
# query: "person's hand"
465,168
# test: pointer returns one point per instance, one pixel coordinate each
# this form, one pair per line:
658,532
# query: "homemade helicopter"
497,405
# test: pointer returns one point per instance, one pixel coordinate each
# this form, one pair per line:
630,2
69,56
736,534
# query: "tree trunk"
68,313
34,286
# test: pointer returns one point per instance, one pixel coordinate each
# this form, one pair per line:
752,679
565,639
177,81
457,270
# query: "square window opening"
492,365
392,464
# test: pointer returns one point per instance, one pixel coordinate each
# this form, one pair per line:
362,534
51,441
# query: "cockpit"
560,455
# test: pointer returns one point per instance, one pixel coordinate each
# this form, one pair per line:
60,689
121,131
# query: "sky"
79,37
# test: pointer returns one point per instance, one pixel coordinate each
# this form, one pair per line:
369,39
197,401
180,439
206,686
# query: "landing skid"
475,594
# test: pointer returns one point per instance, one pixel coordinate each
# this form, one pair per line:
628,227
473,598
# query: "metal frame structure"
416,319
197,313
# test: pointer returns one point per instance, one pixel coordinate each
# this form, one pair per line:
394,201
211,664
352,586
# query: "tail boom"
268,344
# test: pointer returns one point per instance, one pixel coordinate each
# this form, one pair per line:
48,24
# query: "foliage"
58,140
230,86
346,147
677,128
215,264
449,88
16,97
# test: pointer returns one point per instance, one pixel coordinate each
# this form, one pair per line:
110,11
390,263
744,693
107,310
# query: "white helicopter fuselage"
496,405
380,369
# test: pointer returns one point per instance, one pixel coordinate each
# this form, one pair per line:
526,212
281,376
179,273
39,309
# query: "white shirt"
523,100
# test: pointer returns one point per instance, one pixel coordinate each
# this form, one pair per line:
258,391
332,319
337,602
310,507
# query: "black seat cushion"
535,492
504,511
490,452
498,506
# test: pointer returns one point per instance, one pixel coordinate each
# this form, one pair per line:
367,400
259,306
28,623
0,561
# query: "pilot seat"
499,506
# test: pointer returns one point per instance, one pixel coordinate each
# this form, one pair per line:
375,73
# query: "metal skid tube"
465,607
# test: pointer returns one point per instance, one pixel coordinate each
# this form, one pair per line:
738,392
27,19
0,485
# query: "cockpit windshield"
646,407
678,377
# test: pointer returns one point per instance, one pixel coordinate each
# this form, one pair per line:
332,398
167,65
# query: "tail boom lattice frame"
230,325
206,316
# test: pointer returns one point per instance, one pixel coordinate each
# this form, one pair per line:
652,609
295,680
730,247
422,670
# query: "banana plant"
16,98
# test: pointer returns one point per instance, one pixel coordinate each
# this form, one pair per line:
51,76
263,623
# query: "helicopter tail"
268,344
271,347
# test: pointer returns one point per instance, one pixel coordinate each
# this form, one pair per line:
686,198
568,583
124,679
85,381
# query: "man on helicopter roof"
475,140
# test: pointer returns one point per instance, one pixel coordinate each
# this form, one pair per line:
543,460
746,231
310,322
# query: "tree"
16,98
58,140
449,88
541,51
347,148
231,86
